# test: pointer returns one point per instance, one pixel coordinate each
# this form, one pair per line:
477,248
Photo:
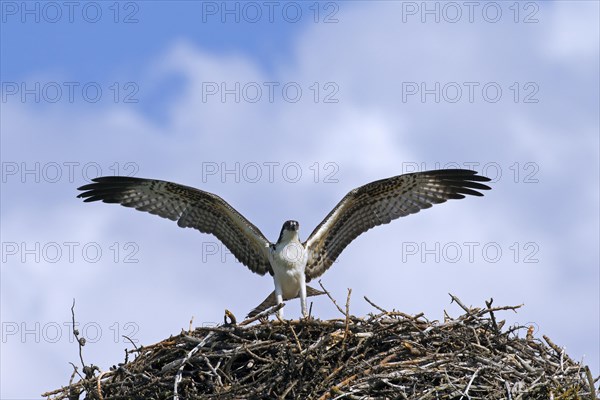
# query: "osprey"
292,263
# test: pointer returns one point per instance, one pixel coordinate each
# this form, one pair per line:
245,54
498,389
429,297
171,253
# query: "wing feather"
380,202
191,208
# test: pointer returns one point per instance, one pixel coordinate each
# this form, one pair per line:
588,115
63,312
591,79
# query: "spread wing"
380,202
191,208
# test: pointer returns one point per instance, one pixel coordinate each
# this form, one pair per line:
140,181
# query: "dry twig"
388,355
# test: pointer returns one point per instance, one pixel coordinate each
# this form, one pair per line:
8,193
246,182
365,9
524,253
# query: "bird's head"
289,231
291,226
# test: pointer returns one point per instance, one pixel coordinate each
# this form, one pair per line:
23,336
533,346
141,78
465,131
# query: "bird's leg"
303,297
279,298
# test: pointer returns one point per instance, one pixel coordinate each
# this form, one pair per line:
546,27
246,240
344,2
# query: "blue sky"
281,119
134,32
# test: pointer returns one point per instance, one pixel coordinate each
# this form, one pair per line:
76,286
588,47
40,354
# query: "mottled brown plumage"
380,202
191,208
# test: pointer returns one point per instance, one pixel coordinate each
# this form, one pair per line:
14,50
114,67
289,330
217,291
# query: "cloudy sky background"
357,119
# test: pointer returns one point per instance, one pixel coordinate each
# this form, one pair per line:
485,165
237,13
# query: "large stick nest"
387,354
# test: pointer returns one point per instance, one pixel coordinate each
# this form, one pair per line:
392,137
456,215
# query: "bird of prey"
292,263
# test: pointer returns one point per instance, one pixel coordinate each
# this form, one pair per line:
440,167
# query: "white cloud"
573,35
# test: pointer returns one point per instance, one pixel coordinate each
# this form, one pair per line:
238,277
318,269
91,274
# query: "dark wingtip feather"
466,174
464,190
111,181
479,178
118,179
464,181
104,187
86,187
90,199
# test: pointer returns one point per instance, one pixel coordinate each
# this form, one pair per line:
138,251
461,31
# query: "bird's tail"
271,300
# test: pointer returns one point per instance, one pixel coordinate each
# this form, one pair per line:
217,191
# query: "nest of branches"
387,354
